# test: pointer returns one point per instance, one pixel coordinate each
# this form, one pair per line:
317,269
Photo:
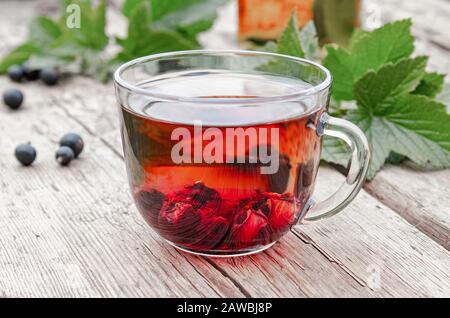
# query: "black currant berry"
15,73
73,141
30,73
279,181
26,154
49,77
13,98
64,155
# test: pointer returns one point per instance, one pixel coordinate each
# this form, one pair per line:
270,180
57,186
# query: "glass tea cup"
222,148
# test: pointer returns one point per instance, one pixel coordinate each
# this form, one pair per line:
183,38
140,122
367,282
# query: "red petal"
282,214
250,229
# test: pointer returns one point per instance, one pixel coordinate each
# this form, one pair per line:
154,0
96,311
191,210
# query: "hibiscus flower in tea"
221,178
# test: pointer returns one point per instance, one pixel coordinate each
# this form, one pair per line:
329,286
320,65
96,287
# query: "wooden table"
74,232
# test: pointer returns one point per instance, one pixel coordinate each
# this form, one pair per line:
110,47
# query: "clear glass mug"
222,148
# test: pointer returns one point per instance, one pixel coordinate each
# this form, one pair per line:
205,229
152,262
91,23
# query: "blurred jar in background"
263,20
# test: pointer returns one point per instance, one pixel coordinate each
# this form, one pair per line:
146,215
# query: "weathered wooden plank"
422,198
292,268
13,27
73,231
370,239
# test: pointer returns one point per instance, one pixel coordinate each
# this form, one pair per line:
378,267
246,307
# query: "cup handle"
359,166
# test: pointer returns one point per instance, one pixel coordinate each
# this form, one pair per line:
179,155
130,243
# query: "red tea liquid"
230,206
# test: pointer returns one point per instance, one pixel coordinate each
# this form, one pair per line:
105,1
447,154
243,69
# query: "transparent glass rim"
301,93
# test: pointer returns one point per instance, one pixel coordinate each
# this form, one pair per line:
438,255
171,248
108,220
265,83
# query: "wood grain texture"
368,238
422,198
74,232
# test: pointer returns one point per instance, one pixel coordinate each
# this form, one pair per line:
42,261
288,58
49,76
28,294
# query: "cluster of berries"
14,98
20,73
199,218
71,145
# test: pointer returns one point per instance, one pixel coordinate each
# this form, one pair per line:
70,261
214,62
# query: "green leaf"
138,27
18,56
156,8
444,96
193,18
289,42
144,40
310,41
130,5
66,46
431,85
335,151
157,41
188,17
396,121
390,43
160,26
395,159
44,31
358,34
161,8
91,33
377,90
54,44
339,62
394,95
